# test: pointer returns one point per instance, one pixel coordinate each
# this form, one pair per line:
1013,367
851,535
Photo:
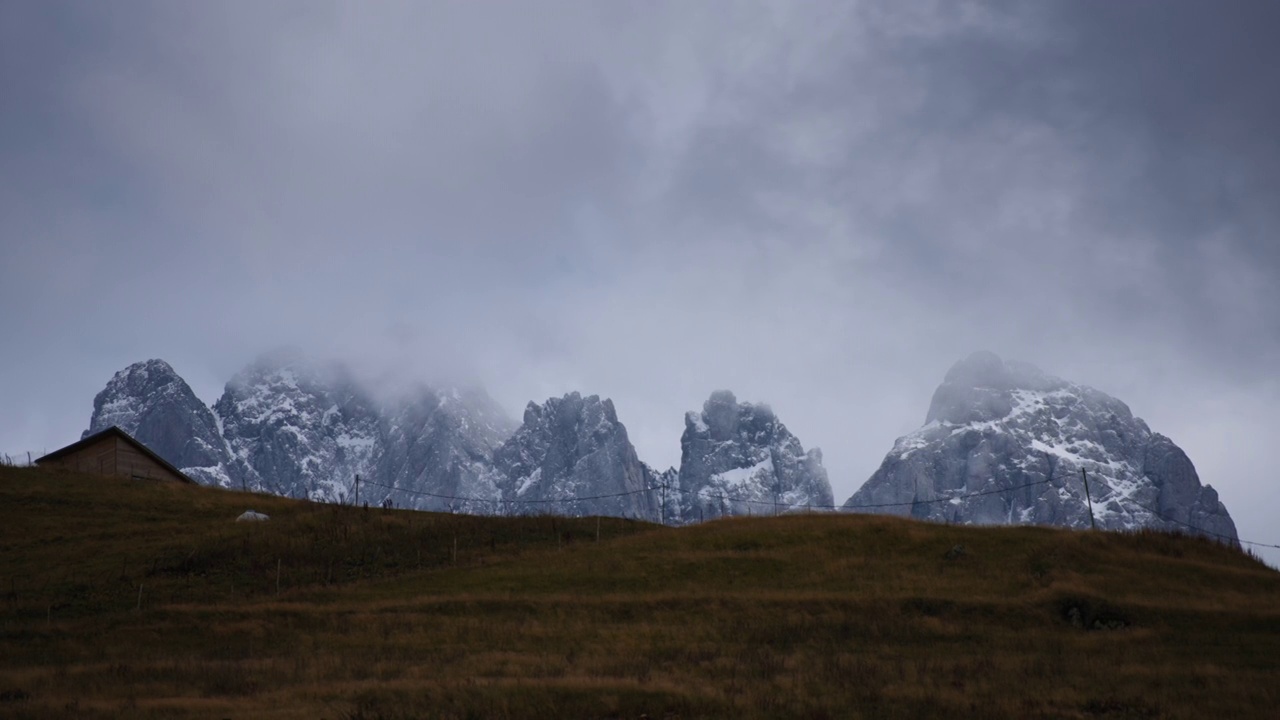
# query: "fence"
779,507
20,459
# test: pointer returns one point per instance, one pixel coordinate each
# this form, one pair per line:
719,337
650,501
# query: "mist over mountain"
298,428
438,446
288,425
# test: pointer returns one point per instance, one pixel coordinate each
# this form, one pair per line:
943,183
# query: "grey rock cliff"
438,448
299,429
1022,437
152,403
738,459
289,426
573,447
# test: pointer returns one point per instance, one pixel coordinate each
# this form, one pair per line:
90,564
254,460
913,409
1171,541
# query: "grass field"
120,599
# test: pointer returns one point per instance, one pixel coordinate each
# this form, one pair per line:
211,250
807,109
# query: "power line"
724,497
1046,481
1200,530
909,503
545,501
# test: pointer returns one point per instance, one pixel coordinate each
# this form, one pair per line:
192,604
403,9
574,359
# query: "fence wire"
791,507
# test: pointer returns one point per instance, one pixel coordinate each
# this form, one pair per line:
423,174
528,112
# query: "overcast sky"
818,206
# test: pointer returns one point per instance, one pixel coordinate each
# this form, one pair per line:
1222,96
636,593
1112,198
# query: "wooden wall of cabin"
129,462
98,458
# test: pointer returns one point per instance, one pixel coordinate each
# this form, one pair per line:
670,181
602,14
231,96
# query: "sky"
821,206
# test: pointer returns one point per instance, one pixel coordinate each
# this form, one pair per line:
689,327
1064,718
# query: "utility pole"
663,507
1085,475
357,500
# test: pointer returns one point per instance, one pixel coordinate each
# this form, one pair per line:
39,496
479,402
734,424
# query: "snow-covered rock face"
1023,437
298,429
288,426
738,459
151,402
573,447
285,425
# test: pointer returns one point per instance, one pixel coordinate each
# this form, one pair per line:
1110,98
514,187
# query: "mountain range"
1002,442
290,426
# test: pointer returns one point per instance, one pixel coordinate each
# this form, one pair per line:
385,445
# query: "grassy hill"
121,599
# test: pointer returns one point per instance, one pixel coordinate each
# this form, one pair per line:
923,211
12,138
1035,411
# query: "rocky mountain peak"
151,372
979,388
985,388
573,447
141,382
985,369
1005,443
152,403
720,414
741,451
300,428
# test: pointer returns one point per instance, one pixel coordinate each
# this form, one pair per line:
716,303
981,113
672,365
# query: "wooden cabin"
114,452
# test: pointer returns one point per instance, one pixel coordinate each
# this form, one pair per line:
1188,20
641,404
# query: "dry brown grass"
809,616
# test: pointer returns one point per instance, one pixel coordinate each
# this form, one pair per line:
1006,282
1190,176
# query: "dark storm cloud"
1167,109
818,205
1110,158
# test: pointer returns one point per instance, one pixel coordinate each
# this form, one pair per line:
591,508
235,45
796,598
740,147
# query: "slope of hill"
146,600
